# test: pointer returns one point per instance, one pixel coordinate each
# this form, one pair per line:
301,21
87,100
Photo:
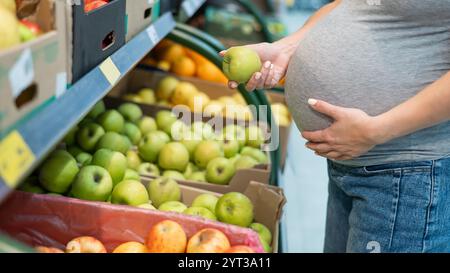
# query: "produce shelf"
43,131
189,8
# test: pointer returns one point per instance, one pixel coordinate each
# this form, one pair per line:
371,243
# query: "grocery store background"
304,176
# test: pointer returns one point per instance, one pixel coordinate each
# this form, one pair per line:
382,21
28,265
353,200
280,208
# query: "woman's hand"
352,134
275,63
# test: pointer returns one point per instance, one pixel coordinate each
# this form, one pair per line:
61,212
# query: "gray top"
374,55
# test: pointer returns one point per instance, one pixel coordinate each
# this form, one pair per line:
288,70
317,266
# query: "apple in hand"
148,169
131,247
114,162
115,142
208,240
200,212
206,151
98,109
173,156
92,183
89,135
147,125
85,244
173,174
220,171
129,192
58,172
133,160
263,232
235,208
166,237
131,174
207,201
111,121
163,189
130,111
133,133
173,206
151,144
240,63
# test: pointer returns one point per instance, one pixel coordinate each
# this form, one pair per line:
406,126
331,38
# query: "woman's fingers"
268,81
222,53
251,84
320,148
265,71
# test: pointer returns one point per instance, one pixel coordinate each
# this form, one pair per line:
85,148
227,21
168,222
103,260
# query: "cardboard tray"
39,219
140,78
138,16
47,73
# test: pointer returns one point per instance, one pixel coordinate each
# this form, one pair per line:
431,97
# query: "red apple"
208,240
85,244
166,237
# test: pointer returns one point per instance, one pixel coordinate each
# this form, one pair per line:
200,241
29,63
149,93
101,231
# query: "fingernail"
234,85
258,76
274,82
312,102
267,64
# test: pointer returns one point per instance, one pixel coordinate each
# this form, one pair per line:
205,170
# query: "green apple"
245,162
133,160
114,162
190,169
163,189
98,109
254,136
199,176
84,158
257,154
173,206
220,171
206,151
164,120
31,184
266,246
200,212
132,132
263,232
130,111
25,33
147,95
165,88
111,121
146,206
234,159
115,142
163,136
173,156
148,169
151,144
230,147
85,122
178,130
147,125
234,132
89,135
173,174
131,174
74,151
55,194
58,172
129,192
235,208
240,63
70,138
92,183
207,201
204,130
190,142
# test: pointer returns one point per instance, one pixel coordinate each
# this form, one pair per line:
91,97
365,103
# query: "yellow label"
110,70
15,158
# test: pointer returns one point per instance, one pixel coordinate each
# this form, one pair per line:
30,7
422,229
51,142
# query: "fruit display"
12,30
164,237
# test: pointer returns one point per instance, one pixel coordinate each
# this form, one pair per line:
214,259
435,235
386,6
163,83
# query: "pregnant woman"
368,84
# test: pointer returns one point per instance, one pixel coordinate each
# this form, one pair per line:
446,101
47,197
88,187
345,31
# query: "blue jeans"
401,207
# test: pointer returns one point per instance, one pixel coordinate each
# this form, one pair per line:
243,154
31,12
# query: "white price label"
152,34
21,74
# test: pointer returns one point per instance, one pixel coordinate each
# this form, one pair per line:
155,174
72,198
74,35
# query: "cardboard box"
140,78
93,36
40,219
32,73
268,202
138,16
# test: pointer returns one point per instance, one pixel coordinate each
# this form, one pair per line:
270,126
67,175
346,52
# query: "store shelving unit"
188,9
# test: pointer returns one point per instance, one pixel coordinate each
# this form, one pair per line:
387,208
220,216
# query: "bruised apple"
240,249
208,240
166,237
85,244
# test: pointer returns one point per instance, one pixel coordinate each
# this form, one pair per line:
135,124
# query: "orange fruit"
209,72
163,65
161,47
184,66
172,53
197,58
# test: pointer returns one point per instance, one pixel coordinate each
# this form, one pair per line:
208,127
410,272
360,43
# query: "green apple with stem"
207,201
58,172
129,192
115,142
114,162
111,121
89,135
130,111
173,206
163,189
148,169
133,133
147,124
92,183
235,208
206,151
220,171
133,160
151,144
240,63
200,212
173,156
173,174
